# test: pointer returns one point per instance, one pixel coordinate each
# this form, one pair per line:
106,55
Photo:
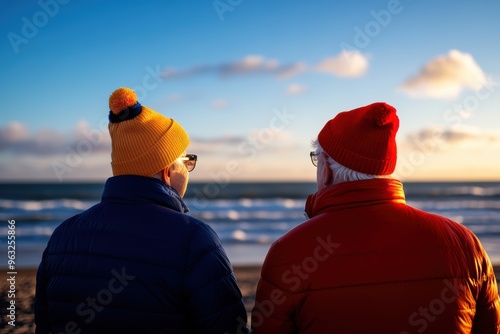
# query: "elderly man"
135,262
365,261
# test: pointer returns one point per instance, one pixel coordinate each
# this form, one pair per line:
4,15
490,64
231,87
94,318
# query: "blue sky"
252,81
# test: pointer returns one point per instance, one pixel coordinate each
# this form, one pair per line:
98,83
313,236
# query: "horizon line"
263,181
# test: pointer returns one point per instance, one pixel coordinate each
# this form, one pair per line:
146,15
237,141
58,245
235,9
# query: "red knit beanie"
363,139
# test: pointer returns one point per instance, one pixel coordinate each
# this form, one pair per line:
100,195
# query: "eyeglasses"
190,161
314,158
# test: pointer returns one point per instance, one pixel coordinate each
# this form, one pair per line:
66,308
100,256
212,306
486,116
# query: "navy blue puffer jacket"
136,263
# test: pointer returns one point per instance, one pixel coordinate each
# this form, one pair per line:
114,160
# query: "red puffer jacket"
368,263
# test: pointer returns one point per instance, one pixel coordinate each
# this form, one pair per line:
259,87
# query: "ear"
327,171
165,175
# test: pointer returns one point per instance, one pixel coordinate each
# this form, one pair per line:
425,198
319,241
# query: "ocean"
248,217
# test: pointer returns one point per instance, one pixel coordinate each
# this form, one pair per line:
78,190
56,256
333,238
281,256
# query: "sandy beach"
247,276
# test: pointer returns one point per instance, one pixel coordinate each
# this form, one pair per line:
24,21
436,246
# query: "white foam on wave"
44,204
29,231
239,235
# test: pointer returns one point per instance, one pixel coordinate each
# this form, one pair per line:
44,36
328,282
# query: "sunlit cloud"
457,153
252,64
13,132
257,139
249,65
219,104
438,138
84,152
295,89
345,64
445,77
80,153
220,145
171,73
292,70
176,97
15,139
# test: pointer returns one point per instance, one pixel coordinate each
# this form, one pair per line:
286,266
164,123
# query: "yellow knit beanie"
143,141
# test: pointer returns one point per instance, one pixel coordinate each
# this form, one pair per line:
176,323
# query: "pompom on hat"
143,141
363,139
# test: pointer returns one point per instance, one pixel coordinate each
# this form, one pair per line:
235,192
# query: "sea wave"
452,191
44,205
453,204
245,213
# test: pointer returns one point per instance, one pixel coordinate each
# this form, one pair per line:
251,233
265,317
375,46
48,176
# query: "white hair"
158,176
343,173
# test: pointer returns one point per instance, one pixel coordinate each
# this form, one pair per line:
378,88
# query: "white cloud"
295,89
15,139
258,140
438,138
445,77
457,153
215,145
291,70
219,104
175,97
251,64
14,131
345,64
81,153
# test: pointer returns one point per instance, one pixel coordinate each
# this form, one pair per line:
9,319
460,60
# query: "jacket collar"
141,189
354,194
